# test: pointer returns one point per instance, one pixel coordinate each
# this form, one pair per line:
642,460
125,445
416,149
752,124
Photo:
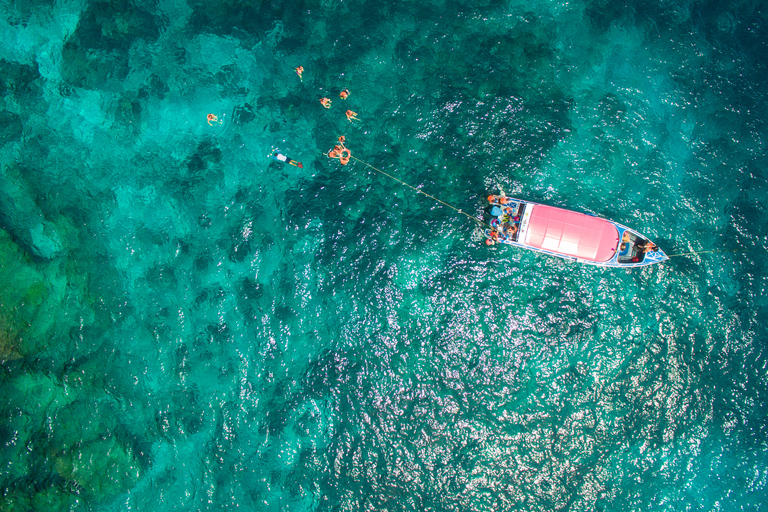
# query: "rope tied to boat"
484,224
703,252
459,210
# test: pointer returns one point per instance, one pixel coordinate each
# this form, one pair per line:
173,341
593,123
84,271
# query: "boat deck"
505,219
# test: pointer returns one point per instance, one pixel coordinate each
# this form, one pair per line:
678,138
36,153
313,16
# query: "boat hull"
569,235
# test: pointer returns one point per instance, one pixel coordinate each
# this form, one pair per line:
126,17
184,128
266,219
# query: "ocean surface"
187,324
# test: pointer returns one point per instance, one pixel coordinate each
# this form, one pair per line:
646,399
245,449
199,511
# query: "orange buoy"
345,159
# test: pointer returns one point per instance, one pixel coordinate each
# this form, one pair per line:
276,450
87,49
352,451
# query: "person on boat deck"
510,231
642,248
507,220
497,199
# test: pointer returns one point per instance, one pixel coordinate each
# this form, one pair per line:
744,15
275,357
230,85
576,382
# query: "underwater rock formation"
22,218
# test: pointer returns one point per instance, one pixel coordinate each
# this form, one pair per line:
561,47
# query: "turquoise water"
190,325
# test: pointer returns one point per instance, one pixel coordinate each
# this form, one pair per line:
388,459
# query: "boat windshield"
632,248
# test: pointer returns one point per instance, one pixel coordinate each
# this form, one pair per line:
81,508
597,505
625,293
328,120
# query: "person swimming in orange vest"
325,102
352,116
497,199
344,93
213,119
299,70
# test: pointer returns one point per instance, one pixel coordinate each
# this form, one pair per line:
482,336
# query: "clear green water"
189,325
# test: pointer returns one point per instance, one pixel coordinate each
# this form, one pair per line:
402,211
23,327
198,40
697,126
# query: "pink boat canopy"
572,234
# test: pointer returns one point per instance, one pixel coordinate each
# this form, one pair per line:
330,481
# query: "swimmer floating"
344,94
282,158
325,102
299,70
352,116
213,119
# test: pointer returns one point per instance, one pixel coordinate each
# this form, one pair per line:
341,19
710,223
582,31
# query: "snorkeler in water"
282,158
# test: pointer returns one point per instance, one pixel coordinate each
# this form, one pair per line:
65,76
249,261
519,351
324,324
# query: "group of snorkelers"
505,223
326,102
344,94
339,151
